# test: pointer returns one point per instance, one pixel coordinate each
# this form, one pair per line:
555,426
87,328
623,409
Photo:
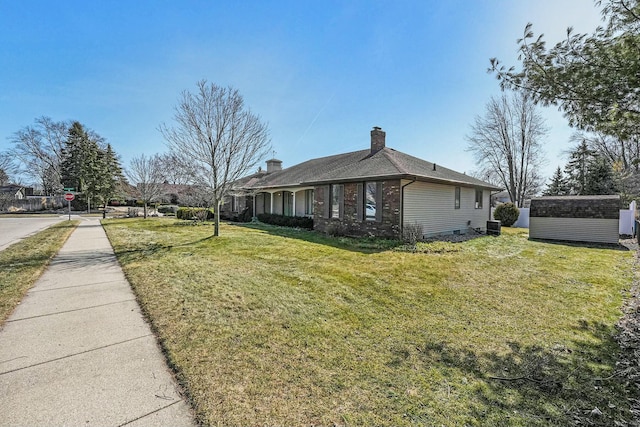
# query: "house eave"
422,178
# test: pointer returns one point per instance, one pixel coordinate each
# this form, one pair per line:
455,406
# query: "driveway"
15,229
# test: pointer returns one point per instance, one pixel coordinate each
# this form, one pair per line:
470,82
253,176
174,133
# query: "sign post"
69,197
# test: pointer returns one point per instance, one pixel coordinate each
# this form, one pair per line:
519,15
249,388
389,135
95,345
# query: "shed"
575,218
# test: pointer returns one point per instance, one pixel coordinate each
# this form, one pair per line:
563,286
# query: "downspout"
402,204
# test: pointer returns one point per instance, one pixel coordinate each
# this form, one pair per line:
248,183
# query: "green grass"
22,263
271,326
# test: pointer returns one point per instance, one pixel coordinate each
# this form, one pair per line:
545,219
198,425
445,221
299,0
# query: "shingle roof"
387,163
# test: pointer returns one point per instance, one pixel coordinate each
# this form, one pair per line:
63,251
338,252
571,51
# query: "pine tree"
600,177
81,164
577,168
111,174
558,185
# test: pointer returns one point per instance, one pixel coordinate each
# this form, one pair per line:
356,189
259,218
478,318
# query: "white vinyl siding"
574,229
430,205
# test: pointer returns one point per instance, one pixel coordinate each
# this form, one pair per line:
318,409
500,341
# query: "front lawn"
271,326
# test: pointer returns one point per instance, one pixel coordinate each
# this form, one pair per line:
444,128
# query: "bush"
167,209
201,214
133,212
287,221
412,234
507,214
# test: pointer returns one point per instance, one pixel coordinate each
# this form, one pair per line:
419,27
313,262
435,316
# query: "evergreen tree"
110,174
577,168
83,167
558,185
600,177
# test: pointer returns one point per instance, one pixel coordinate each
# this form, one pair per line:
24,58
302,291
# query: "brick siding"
350,225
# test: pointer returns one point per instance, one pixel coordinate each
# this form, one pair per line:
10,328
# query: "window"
234,203
308,202
370,200
456,204
478,199
336,200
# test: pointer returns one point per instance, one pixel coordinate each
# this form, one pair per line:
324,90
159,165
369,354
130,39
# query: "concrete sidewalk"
77,350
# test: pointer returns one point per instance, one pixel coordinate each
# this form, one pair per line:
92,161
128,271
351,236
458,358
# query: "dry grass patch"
269,326
22,263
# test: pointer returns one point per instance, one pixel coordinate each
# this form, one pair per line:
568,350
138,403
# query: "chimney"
377,139
274,165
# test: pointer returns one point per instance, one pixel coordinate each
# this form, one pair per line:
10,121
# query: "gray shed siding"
595,230
432,206
575,218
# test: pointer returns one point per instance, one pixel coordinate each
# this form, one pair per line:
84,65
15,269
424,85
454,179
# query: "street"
15,229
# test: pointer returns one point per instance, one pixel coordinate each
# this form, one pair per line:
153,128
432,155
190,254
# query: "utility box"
494,228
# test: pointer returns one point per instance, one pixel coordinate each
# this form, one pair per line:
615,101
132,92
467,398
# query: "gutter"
402,204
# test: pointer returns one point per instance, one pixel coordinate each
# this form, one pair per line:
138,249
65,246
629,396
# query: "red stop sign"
69,197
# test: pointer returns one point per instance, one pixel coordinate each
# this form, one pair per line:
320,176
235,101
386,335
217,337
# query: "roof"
386,163
11,188
588,197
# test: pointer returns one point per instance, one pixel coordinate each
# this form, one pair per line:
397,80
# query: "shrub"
507,214
167,209
287,221
337,229
201,214
412,234
133,212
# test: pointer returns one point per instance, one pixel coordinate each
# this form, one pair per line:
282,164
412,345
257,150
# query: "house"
575,218
16,192
376,191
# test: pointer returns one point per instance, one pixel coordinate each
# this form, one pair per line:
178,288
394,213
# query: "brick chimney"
274,165
377,139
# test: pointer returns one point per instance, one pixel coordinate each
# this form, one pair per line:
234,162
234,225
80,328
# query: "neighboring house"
500,198
503,197
15,191
374,192
575,218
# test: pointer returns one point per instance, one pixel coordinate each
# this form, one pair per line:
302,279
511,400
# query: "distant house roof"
385,163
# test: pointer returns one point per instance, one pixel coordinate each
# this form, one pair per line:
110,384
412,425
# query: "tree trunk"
145,210
216,216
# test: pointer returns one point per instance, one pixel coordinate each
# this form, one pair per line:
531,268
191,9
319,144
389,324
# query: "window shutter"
379,203
327,201
360,202
341,199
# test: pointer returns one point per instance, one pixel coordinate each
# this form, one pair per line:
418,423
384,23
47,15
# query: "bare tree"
39,148
145,174
506,143
177,170
7,168
218,137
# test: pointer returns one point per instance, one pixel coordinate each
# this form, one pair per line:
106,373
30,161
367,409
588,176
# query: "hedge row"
287,221
202,214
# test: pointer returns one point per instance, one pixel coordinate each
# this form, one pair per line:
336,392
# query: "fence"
33,204
627,220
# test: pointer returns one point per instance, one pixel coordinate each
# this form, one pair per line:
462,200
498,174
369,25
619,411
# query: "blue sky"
320,73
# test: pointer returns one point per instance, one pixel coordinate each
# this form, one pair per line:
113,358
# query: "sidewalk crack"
75,354
68,311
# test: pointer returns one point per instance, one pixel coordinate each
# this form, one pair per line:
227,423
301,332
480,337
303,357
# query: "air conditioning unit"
494,228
